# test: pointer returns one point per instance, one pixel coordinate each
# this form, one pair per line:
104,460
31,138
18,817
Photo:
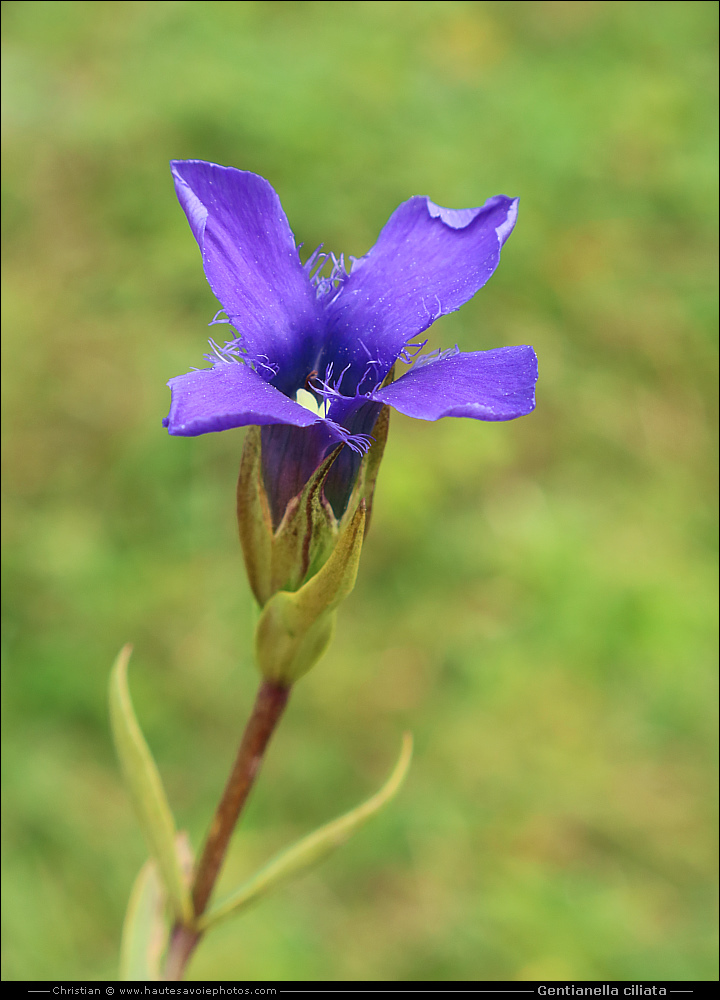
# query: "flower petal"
251,261
427,261
229,395
487,385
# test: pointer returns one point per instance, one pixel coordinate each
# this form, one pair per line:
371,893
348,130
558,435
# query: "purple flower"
316,343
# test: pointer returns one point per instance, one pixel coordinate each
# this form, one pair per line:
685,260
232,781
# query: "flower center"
309,401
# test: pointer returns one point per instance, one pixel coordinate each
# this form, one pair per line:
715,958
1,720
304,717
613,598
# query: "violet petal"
251,261
486,385
427,261
229,395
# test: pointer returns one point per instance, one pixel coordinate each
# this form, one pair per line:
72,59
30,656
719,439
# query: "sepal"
295,629
364,488
306,534
254,520
285,558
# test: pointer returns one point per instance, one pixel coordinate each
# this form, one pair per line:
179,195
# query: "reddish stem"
182,945
269,705
268,709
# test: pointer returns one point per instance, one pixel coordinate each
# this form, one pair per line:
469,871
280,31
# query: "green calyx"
282,559
295,628
287,557
302,570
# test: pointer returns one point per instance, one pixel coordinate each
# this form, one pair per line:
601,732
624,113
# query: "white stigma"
308,400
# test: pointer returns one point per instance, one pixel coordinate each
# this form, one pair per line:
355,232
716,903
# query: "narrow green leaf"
145,930
146,789
310,849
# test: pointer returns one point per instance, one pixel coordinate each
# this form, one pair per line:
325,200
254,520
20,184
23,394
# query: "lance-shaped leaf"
145,930
146,790
311,849
295,628
305,534
254,521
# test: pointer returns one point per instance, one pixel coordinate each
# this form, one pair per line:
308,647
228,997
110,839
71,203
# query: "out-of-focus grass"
536,598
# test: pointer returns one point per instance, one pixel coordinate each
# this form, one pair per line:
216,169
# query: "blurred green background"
536,599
